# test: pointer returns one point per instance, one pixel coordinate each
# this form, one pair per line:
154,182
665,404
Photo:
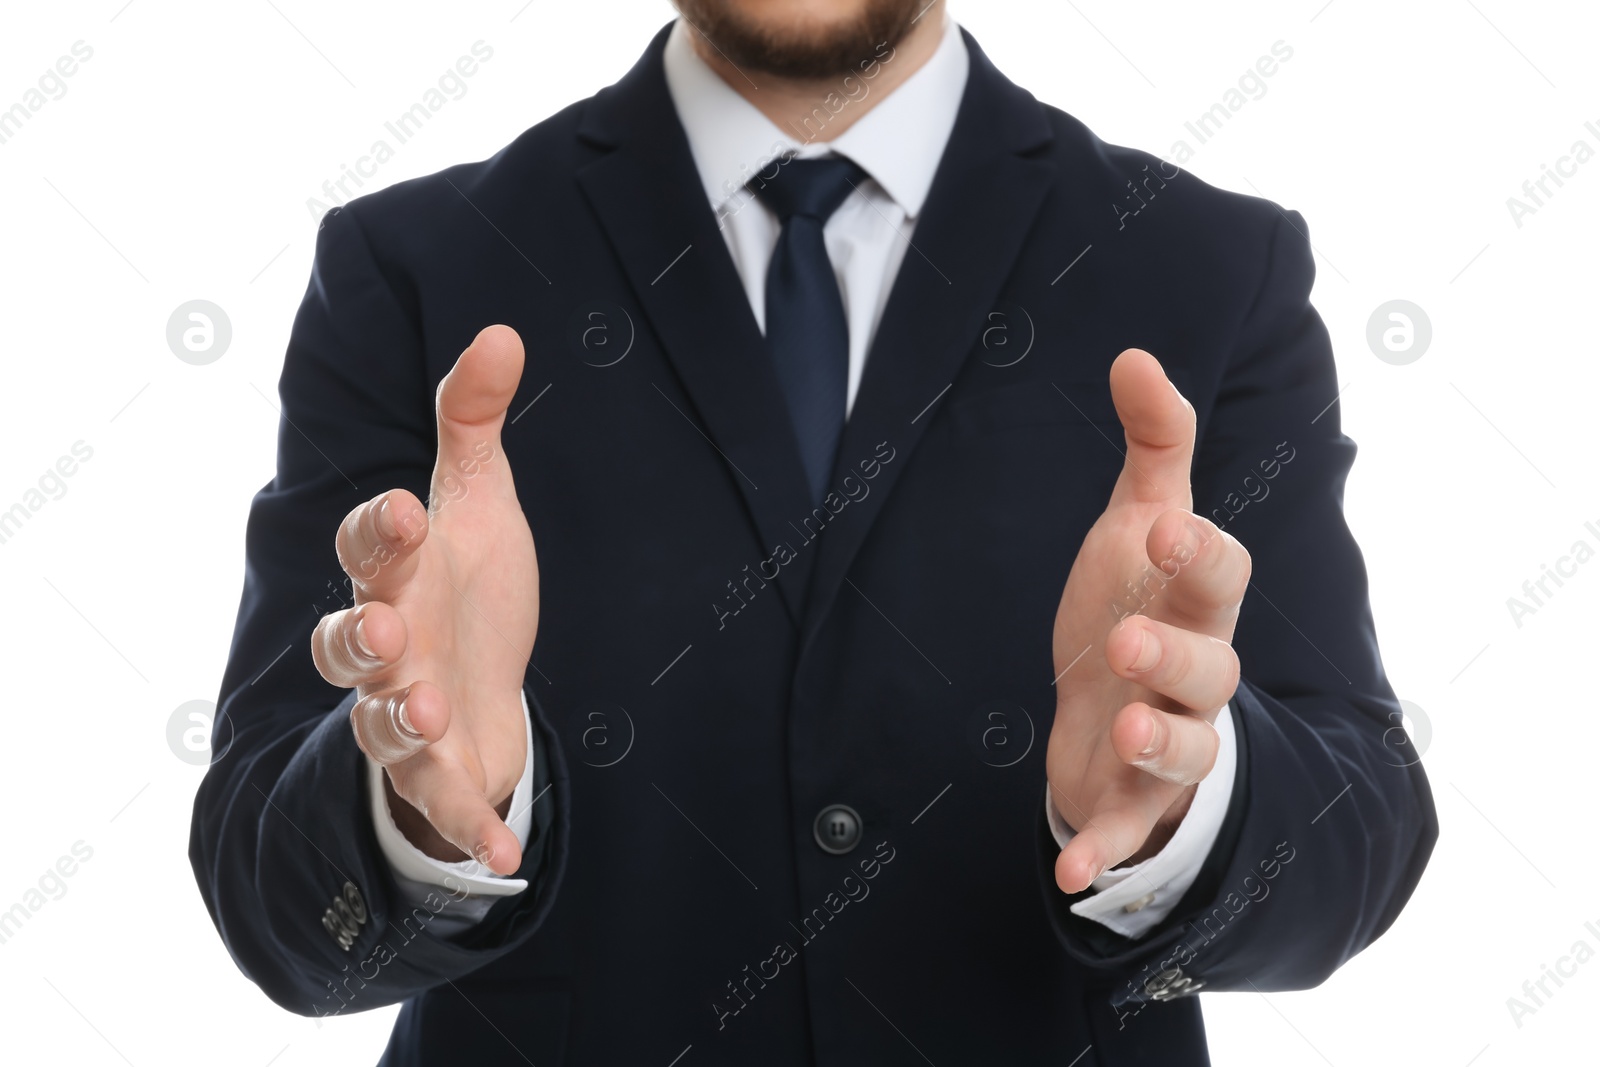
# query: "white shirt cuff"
471,888
1134,900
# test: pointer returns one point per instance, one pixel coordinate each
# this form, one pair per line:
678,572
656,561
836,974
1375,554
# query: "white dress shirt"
898,143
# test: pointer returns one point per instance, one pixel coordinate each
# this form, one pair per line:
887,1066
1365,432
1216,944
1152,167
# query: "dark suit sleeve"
1331,820
282,841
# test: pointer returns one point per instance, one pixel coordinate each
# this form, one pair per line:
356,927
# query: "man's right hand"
446,608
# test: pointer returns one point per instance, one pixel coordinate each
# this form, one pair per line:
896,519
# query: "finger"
355,647
1159,426
445,793
1174,747
471,409
1209,570
395,724
1195,669
377,543
1110,837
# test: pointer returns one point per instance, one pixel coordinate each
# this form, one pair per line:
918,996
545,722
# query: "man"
813,356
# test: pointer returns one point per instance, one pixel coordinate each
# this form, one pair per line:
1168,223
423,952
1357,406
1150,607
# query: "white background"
178,164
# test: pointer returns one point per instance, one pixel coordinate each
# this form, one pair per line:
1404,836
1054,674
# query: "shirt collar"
898,142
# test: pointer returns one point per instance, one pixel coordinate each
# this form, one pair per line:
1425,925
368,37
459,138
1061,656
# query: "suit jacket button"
356,903
1171,984
344,918
1161,987
837,829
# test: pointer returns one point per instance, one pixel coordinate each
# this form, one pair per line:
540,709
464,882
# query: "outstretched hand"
447,604
1135,698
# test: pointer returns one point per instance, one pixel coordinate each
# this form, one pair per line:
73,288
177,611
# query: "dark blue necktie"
807,335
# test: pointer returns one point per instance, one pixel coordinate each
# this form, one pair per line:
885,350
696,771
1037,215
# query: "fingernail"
362,645
404,720
385,522
1154,743
1149,652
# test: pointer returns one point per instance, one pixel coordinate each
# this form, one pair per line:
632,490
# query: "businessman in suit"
912,668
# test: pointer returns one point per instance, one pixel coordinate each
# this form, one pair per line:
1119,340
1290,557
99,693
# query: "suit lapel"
653,208
984,197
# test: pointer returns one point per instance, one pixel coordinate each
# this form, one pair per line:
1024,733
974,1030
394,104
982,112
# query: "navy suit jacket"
717,661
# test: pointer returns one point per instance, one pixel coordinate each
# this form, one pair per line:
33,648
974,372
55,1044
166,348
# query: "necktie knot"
812,188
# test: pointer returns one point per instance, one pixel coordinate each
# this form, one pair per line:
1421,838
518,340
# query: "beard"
803,50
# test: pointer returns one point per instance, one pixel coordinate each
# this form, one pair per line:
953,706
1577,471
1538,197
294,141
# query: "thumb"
471,407
1159,425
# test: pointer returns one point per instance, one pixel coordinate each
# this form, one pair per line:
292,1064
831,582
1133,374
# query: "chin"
801,38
